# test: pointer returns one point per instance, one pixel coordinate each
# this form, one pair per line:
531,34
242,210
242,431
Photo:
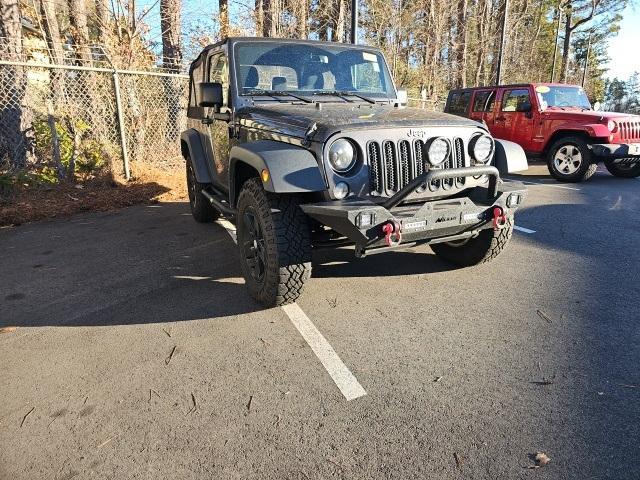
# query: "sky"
622,48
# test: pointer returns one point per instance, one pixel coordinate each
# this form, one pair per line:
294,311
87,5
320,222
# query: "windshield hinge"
308,135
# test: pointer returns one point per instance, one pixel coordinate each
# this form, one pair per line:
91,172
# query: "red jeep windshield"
562,96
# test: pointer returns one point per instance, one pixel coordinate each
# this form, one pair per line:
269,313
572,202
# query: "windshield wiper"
275,93
344,93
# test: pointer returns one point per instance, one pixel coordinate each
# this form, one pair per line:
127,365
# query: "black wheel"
483,248
274,239
201,209
569,160
631,170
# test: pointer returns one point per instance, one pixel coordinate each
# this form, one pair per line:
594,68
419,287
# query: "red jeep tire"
569,159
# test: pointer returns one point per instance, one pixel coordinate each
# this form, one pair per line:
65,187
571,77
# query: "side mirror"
210,95
524,107
402,97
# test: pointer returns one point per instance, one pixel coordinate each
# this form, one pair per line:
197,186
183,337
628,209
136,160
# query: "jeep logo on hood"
416,133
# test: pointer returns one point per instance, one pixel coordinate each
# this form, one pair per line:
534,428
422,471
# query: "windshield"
550,96
311,70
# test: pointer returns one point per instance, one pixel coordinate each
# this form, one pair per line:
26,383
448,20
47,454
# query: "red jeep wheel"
569,159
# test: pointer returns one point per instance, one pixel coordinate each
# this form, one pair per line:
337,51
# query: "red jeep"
555,122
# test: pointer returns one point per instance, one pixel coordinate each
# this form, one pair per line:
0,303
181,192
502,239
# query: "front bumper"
617,150
363,222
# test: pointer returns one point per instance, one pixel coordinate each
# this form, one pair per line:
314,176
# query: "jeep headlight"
342,155
482,148
438,151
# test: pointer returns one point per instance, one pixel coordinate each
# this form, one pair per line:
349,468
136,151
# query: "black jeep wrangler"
306,145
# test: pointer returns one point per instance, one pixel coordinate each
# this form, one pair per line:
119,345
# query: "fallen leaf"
541,460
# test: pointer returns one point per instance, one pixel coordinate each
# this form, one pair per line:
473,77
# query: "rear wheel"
569,160
201,208
274,239
623,170
483,248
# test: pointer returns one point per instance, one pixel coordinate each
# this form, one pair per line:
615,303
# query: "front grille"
392,165
630,131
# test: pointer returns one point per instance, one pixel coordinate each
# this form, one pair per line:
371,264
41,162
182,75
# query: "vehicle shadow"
147,264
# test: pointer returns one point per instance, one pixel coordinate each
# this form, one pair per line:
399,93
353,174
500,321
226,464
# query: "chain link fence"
83,117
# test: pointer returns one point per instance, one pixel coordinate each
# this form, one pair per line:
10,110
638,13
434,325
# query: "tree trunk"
223,6
80,30
170,13
340,21
103,19
170,27
259,18
303,20
267,16
14,142
564,69
52,30
461,46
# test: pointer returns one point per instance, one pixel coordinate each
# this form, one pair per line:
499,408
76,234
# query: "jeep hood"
585,116
295,120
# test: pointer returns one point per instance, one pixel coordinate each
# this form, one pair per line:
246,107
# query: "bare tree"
223,6
585,11
170,14
80,30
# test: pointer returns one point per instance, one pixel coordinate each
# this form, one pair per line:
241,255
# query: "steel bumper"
617,150
366,223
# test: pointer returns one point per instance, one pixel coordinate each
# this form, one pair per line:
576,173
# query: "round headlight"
482,148
342,155
438,151
612,126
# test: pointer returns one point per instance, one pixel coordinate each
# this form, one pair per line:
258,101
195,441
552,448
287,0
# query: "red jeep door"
515,120
482,107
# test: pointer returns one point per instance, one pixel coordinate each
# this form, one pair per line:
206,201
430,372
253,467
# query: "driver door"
219,131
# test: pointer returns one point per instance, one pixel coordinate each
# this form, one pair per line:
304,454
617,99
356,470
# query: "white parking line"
523,230
340,374
528,182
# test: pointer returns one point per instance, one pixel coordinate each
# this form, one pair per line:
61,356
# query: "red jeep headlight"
612,126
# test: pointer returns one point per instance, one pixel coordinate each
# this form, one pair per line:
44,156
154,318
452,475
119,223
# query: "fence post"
121,126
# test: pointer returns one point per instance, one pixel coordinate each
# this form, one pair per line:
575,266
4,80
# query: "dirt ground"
104,193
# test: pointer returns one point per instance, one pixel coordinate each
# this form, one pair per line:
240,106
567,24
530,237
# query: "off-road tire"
287,244
617,171
201,208
483,248
587,168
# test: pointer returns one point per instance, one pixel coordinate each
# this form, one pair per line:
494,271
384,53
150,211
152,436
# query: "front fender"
510,157
192,149
292,169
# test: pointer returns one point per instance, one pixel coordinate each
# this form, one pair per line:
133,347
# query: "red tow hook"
392,233
499,218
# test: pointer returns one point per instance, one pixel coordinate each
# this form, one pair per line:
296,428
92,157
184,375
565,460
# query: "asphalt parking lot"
138,354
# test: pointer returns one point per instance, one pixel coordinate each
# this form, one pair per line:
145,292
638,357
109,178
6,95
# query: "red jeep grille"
630,131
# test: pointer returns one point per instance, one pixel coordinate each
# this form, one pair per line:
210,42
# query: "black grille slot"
404,148
421,157
375,168
459,158
389,150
